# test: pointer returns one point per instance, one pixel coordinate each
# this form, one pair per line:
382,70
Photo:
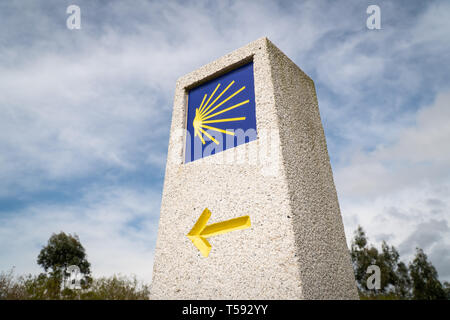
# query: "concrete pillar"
281,179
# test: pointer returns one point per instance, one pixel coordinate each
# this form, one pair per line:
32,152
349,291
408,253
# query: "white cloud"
402,188
345,69
431,27
417,155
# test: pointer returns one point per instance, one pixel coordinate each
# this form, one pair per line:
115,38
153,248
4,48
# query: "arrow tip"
202,244
194,235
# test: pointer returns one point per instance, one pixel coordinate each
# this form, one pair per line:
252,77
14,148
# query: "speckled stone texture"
295,248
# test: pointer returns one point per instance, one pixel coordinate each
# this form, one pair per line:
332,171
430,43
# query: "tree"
362,258
62,251
404,282
447,289
426,285
394,277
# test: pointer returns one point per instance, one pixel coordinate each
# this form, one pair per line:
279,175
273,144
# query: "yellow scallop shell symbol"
203,115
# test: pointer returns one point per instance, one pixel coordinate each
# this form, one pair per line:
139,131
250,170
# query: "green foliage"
395,281
11,288
46,287
362,258
426,285
446,286
419,281
380,296
62,251
118,288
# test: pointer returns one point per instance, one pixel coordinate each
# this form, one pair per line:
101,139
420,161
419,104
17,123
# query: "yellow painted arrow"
200,231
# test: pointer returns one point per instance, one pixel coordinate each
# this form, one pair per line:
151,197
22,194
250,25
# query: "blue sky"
85,116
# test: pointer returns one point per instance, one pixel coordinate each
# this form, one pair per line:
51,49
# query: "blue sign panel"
221,114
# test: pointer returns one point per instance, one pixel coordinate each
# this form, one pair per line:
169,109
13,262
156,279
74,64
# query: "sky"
85,116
